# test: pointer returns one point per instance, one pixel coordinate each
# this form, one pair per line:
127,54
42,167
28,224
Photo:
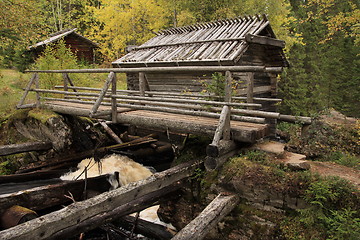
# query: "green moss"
42,115
6,168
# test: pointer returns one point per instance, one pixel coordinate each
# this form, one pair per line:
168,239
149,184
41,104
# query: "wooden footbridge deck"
228,118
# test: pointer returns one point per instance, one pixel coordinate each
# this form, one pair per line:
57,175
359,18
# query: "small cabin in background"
81,46
243,41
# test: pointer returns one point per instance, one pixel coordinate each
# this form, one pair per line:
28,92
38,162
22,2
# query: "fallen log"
145,228
110,132
52,195
31,176
77,214
24,147
208,218
135,205
100,152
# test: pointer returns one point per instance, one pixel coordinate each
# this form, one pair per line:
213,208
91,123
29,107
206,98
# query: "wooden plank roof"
58,35
219,41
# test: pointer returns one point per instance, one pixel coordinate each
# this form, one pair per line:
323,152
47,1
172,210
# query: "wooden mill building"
243,41
81,46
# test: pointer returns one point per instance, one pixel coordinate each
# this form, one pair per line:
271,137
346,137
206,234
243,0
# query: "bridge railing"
185,103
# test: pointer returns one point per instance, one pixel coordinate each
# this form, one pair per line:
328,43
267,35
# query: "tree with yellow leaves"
128,22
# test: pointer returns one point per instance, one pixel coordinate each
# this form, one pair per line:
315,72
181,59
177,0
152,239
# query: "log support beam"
207,220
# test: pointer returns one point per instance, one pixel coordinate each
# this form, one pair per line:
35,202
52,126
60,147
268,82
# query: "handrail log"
167,69
161,99
176,94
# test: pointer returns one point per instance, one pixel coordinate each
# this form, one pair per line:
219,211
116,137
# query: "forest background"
322,38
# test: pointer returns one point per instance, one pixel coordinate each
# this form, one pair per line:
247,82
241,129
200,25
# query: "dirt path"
333,169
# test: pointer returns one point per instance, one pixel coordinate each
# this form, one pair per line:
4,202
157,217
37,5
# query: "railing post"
228,93
37,86
250,88
66,87
142,83
113,100
102,94
27,89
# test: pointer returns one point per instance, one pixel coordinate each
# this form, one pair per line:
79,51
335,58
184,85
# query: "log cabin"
242,41
81,46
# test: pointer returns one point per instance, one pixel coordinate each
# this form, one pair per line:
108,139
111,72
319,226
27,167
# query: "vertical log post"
113,100
66,88
223,126
250,89
228,93
37,86
27,89
142,83
102,94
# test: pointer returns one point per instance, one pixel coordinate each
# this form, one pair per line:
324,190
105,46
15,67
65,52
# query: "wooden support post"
208,218
113,100
228,89
223,126
66,87
37,85
142,83
102,93
250,89
27,89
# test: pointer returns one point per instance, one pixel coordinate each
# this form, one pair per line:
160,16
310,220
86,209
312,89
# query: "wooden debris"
208,218
89,213
53,195
110,132
145,228
24,147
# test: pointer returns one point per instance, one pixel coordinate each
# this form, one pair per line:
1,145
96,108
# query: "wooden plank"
24,147
74,215
241,131
250,38
207,220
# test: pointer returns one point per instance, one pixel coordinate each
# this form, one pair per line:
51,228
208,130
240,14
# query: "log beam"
250,38
208,218
24,147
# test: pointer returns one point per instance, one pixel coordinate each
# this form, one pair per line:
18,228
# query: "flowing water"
129,171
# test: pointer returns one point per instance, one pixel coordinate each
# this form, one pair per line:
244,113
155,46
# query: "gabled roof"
217,42
58,35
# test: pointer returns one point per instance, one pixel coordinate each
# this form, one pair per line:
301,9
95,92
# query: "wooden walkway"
240,131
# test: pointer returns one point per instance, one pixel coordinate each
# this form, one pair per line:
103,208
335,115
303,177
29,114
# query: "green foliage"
256,156
334,209
59,56
216,86
325,66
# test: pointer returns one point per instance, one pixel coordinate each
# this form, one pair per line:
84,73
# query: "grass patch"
11,84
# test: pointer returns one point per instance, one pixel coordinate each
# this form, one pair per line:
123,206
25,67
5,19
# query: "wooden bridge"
226,118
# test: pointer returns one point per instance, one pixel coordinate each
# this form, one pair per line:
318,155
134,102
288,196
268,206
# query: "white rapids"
129,171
